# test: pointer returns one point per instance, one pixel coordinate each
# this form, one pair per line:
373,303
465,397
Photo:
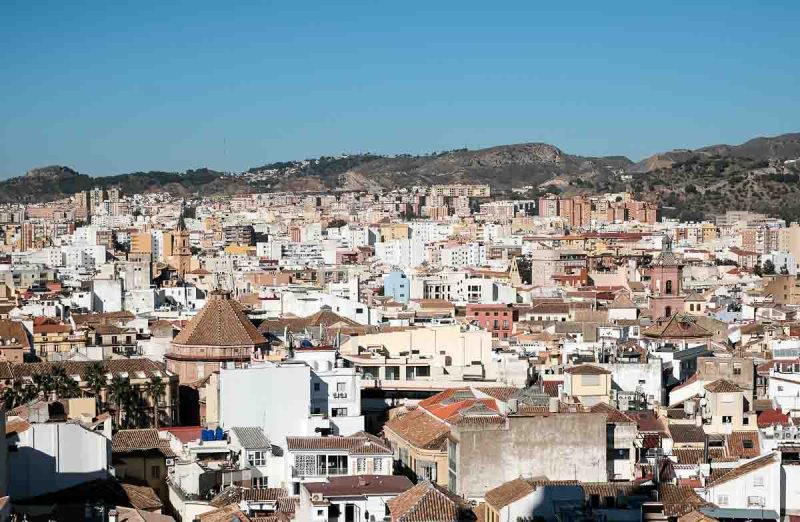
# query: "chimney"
112,515
553,405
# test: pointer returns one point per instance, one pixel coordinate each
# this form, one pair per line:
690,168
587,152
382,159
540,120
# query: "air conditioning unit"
316,497
170,462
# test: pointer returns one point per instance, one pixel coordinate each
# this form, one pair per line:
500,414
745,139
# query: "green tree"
155,389
120,393
96,381
769,267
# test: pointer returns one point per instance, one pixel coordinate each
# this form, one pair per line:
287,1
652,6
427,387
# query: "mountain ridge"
542,166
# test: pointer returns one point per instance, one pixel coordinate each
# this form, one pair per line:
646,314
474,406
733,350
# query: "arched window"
668,287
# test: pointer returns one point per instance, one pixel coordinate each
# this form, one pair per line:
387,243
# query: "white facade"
54,456
758,489
276,397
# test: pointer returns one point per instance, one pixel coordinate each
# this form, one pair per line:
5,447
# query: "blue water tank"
219,434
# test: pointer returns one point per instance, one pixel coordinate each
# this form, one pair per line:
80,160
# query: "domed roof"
221,322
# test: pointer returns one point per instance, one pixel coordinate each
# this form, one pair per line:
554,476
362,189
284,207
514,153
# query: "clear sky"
111,87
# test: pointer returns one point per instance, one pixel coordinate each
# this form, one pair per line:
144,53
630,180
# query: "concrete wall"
275,397
631,376
560,447
51,457
790,486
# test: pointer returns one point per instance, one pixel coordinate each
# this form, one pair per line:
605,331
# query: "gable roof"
360,443
420,429
509,492
221,322
722,386
325,316
744,469
427,502
679,326
125,441
587,369
251,437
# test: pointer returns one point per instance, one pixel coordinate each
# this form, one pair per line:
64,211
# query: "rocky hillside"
502,167
756,175
759,175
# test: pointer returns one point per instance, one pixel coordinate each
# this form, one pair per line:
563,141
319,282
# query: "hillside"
55,182
692,184
757,175
502,167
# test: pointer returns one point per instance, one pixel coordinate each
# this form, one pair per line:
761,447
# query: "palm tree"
43,383
120,393
96,380
11,398
155,389
60,379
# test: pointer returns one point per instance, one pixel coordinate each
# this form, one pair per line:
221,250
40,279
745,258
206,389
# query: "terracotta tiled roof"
505,494
744,469
356,485
359,443
743,444
221,322
427,502
299,324
613,415
228,513
773,417
142,497
679,500
587,369
114,366
695,456
232,495
687,433
502,393
722,386
125,441
677,327
420,429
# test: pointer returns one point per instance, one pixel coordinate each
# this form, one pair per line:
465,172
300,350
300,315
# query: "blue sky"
112,87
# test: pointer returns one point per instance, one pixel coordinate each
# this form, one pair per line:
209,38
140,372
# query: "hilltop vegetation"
691,184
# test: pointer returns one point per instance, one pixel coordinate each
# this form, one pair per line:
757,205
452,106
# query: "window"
155,472
257,458
758,481
621,454
755,501
341,387
377,465
258,482
746,422
361,465
316,386
668,287
737,368
339,412
727,419
722,500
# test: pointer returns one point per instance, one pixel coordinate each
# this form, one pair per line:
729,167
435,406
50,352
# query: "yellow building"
591,384
395,231
141,243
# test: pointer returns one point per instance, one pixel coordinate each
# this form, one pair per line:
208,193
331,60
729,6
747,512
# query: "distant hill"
55,182
691,183
501,167
758,175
